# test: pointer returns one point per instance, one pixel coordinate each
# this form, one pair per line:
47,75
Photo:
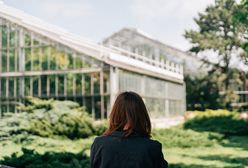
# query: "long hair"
129,111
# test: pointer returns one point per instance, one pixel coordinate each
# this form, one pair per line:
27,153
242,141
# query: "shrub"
221,121
32,159
100,127
178,137
48,118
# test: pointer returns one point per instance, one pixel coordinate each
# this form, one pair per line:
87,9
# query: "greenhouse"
41,60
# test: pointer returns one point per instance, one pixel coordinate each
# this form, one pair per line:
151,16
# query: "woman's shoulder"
137,139
100,138
156,144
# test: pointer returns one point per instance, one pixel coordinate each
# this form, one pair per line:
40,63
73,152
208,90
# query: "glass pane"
11,108
156,107
43,86
88,104
62,62
3,87
52,59
96,80
28,60
17,87
154,87
97,103
87,81
35,86
4,108
16,60
12,38
106,82
27,86
61,85
130,81
78,84
86,61
36,59
4,61
78,62
27,39
4,36
44,58
52,85
12,60
36,42
11,87
70,85
70,61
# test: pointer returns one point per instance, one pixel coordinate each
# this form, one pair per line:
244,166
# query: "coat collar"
121,134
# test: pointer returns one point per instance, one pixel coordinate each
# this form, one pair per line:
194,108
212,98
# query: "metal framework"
41,60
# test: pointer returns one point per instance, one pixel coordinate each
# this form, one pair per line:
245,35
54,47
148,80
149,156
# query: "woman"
126,143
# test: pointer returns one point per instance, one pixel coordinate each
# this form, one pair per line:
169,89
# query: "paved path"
167,122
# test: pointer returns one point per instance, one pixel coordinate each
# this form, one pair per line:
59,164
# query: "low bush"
220,121
178,137
100,127
48,118
32,159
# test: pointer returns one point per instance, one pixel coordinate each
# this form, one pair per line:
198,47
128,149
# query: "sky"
164,20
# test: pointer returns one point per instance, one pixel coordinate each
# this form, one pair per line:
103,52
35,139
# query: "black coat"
136,151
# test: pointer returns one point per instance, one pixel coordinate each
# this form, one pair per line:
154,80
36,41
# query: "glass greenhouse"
41,60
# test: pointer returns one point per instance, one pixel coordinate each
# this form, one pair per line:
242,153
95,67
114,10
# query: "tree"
202,93
241,20
217,34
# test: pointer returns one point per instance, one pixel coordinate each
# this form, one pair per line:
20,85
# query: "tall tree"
217,34
241,20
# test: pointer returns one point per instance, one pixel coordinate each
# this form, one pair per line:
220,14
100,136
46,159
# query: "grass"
192,149
182,148
212,157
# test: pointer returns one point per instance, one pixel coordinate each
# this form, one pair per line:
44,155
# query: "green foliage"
221,121
241,13
240,19
32,159
178,137
45,126
216,29
48,118
218,34
202,93
100,128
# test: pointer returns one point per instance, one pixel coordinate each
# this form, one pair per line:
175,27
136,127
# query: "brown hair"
129,110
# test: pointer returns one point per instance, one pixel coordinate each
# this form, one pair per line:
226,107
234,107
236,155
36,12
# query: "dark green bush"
32,159
220,121
178,137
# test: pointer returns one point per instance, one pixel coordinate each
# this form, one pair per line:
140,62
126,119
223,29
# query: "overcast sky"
165,20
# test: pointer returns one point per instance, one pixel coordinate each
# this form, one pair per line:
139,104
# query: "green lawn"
202,152
232,154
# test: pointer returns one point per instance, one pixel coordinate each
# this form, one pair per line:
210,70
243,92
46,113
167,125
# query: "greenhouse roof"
113,56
